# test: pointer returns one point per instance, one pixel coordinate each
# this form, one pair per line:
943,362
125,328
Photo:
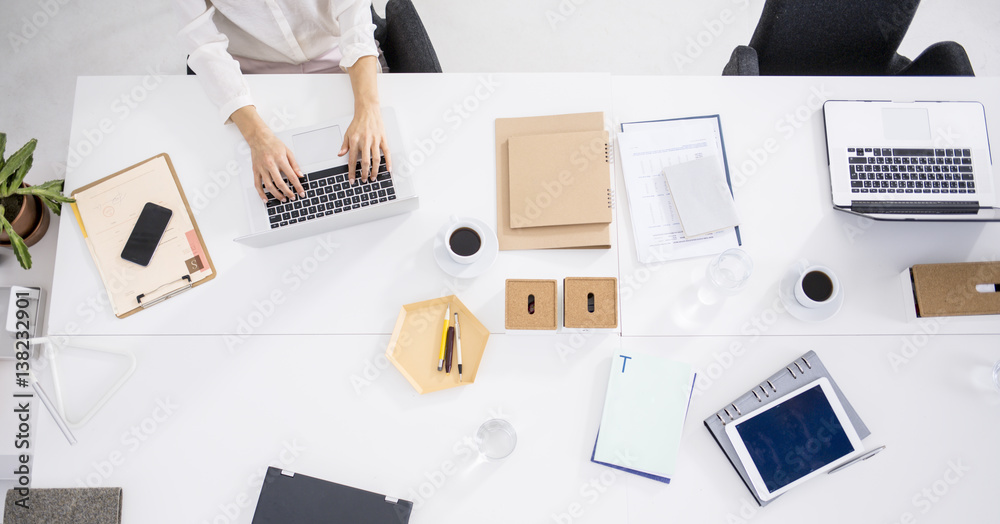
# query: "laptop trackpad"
906,124
318,145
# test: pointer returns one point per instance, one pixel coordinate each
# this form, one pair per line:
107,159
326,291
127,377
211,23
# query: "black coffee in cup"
465,242
818,286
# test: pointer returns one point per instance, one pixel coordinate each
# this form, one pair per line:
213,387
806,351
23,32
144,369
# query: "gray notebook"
69,506
800,372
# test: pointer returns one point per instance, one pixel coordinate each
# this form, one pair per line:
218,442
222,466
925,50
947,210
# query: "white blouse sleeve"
357,33
218,72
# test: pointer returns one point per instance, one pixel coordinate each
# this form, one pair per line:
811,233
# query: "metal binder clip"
756,395
800,367
736,408
808,365
772,386
721,419
766,394
187,285
789,368
728,413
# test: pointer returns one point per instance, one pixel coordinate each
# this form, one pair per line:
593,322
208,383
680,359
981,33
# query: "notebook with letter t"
910,160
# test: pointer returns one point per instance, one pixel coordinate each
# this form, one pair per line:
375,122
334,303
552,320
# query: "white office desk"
347,281
329,406
207,421
775,144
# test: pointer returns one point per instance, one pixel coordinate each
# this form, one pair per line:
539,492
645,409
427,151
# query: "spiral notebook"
589,235
559,179
798,373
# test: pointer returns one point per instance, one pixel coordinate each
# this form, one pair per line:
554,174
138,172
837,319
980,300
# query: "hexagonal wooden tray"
416,344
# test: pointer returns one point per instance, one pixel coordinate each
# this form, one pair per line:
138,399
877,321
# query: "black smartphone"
146,234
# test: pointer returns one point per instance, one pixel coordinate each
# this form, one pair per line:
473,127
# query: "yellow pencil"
444,337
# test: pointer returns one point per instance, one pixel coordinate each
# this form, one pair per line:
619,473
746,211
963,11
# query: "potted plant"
23,220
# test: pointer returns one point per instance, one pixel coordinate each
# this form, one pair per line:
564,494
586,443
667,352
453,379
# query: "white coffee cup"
817,286
464,241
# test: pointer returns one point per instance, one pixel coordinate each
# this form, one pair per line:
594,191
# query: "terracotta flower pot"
31,222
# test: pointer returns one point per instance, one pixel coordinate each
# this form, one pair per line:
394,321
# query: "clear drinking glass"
496,439
730,270
996,375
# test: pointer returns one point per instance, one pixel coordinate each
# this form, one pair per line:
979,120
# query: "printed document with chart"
647,150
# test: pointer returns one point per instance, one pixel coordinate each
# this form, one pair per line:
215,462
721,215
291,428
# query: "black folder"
291,498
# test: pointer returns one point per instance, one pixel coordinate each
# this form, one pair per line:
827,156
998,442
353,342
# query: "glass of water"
730,270
996,375
496,439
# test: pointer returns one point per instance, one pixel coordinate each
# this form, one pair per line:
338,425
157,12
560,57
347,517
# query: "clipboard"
106,211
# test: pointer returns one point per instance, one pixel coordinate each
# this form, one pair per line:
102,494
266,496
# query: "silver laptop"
911,160
331,202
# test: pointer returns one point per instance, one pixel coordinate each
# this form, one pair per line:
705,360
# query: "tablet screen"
795,438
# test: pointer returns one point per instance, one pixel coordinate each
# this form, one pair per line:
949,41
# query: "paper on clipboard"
108,210
647,150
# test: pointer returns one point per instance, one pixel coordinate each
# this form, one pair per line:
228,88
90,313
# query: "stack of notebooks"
553,182
644,410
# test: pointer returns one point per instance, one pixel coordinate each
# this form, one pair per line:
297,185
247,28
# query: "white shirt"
285,31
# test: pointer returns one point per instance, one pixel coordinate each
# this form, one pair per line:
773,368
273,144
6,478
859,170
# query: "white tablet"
804,434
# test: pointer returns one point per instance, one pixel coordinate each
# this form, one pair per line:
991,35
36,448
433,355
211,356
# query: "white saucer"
786,291
490,247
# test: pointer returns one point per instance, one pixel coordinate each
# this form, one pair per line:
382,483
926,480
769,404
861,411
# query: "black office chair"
841,38
403,39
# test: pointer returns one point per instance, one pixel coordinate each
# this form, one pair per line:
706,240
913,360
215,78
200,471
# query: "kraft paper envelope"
968,288
559,179
544,237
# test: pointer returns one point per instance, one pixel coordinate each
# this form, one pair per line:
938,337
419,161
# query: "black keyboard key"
382,176
324,198
297,204
912,152
391,191
868,150
381,192
387,183
967,177
355,199
965,152
271,211
392,197
286,216
364,197
850,150
283,223
949,152
857,183
877,152
350,192
312,210
328,190
341,194
964,169
355,206
271,202
311,193
322,182
967,161
939,152
274,219
295,213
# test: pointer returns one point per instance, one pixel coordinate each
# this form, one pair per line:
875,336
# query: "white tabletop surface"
347,281
196,423
311,391
786,212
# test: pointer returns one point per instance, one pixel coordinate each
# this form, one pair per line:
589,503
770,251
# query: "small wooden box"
531,305
958,289
590,303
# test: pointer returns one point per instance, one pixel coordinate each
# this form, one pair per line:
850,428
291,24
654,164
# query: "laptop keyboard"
329,192
895,170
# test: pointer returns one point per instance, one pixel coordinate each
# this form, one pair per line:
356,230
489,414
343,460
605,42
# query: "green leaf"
50,193
15,161
20,249
3,146
20,172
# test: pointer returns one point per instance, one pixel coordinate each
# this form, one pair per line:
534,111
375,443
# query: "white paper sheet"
646,149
